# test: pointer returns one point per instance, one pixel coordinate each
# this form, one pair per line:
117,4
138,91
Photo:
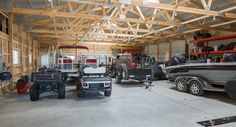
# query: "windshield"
127,58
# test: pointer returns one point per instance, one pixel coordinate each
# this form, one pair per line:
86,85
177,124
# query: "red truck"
128,67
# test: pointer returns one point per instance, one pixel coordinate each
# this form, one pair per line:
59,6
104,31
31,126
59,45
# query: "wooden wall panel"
25,45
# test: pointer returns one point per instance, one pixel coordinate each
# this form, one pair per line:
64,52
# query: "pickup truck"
127,68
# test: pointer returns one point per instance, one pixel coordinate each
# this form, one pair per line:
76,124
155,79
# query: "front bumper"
96,86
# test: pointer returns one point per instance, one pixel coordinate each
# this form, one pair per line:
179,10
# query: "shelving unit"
214,38
213,52
207,40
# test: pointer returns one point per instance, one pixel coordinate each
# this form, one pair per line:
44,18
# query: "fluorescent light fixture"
106,18
151,1
122,17
126,1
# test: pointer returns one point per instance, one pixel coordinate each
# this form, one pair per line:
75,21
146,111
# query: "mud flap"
230,88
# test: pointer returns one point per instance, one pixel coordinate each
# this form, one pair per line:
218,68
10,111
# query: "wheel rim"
195,88
123,73
180,85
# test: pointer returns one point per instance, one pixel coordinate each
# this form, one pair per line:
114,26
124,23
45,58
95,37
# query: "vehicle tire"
34,93
152,76
77,85
64,77
107,93
81,94
181,85
195,88
118,78
125,74
61,90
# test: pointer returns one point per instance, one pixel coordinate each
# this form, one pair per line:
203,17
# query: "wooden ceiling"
121,21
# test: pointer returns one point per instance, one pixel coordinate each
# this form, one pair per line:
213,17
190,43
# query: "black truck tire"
81,93
34,93
107,93
77,85
125,74
61,90
118,78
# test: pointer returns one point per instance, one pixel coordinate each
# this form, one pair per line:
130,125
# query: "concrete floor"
129,106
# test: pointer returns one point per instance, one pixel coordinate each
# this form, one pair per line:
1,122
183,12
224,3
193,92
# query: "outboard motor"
177,59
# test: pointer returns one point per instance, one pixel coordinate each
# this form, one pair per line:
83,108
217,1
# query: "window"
30,58
15,56
3,24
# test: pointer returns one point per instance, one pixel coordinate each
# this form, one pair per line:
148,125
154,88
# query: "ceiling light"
126,1
122,17
151,1
106,18
214,18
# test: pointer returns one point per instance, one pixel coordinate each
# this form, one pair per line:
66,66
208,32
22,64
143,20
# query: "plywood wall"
163,51
25,45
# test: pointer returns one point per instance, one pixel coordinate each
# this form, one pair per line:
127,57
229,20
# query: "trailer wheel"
181,85
34,93
61,90
195,88
107,93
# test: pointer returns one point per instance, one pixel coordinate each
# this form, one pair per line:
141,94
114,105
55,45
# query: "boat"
197,77
213,73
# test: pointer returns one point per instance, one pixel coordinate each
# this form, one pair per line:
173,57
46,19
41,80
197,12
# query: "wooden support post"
33,55
170,50
10,45
158,54
21,45
94,49
27,54
186,47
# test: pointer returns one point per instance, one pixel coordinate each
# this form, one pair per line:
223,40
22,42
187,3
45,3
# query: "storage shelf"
214,38
213,52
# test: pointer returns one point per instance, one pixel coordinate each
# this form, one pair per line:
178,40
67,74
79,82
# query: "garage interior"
160,63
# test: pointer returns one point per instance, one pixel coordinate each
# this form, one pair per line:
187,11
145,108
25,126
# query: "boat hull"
218,74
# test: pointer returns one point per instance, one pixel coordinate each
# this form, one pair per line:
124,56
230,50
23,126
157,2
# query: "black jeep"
46,80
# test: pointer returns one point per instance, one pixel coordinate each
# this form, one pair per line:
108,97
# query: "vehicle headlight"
107,84
85,85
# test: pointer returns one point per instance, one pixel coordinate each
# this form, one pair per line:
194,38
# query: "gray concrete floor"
129,106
